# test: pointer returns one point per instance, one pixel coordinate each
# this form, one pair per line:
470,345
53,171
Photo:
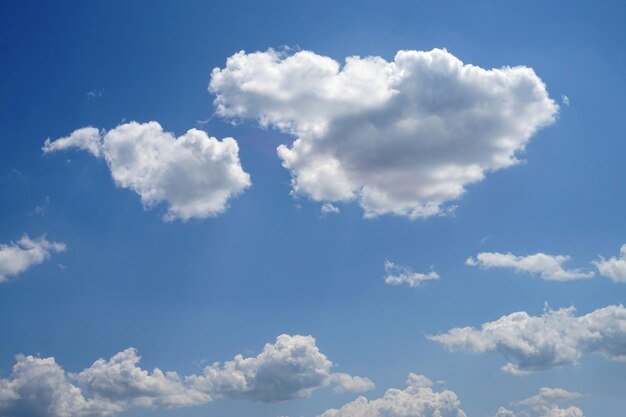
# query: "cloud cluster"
290,368
545,404
194,174
548,267
403,137
613,268
556,338
418,399
400,274
17,257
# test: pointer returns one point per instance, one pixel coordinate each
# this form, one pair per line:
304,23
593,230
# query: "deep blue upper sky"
186,293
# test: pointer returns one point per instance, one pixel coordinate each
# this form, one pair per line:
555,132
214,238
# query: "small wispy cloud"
328,208
94,94
402,274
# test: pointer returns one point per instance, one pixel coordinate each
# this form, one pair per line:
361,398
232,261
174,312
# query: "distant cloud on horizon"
291,368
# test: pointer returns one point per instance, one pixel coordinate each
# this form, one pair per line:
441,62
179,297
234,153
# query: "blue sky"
189,292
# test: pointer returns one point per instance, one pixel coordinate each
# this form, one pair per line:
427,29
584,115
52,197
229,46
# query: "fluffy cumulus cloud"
41,388
122,382
548,267
545,404
194,174
403,137
615,267
556,338
418,399
400,274
17,257
290,368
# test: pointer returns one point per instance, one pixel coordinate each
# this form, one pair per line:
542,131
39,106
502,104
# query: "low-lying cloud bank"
535,343
403,137
419,399
292,367
194,174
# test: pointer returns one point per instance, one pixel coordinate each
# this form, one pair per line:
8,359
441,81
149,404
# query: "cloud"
194,174
291,368
87,139
400,274
41,388
350,383
328,208
93,94
535,343
17,257
420,400
545,404
417,400
403,137
613,268
548,267
120,381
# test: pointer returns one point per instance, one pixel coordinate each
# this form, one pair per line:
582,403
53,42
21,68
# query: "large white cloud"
290,368
556,338
548,267
614,267
418,399
194,174
17,257
403,137
401,274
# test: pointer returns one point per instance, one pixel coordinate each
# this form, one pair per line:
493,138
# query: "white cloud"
400,274
87,139
120,381
328,208
350,383
420,400
556,338
290,368
548,267
97,93
404,137
17,257
417,400
194,174
40,388
565,100
615,267
545,404
504,412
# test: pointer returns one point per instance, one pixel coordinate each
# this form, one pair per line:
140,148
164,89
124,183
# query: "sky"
336,209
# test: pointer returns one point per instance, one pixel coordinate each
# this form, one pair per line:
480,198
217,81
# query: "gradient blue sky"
188,293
